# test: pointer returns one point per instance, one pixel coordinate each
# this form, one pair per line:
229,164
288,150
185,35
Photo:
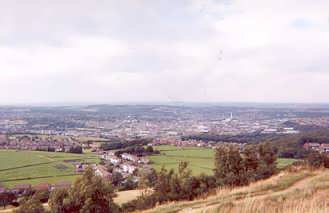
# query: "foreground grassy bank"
301,191
33,167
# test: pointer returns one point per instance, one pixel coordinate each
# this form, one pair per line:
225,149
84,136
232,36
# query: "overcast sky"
103,51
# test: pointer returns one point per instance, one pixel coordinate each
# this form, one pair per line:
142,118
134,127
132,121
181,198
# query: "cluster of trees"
303,127
11,198
291,146
235,167
31,204
138,150
123,144
255,137
317,160
173,186
76,150
123,184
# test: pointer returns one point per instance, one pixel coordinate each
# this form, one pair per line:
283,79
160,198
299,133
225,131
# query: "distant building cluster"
35,143
126,163
321,121
319,147
128,122
180,143
22,189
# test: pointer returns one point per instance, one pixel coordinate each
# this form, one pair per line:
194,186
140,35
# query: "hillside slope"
294,191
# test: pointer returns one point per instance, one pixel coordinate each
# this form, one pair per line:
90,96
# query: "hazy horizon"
176,104
213,51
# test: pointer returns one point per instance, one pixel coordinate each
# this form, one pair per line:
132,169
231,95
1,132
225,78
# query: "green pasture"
34,167
201,160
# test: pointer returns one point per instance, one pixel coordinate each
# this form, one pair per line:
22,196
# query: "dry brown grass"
298,190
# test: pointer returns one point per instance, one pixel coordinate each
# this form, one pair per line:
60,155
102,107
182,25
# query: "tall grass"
314,205
288,192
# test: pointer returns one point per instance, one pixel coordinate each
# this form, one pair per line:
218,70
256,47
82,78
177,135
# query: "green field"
283,162
200,159
33,167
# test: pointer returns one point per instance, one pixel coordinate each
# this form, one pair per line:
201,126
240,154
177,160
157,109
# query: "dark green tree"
236,167
89,194
117,178
57,200
229,166
251,162
7,198
267,161
149,149
147,178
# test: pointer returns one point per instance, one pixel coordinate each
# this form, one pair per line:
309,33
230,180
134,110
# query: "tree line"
137,150
124,144
291,146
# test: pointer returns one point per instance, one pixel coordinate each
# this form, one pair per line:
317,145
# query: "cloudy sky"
111,51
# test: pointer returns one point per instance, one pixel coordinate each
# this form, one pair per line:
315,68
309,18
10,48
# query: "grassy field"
200,159
33,167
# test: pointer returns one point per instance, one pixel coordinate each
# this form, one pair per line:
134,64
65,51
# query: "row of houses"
319,147
22,189
111,157
126,163
181,143
28,143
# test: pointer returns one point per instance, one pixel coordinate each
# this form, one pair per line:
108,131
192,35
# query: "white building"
128,168
130,157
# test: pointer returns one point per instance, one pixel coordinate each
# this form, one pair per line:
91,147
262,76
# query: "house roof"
41,186
22,186
63,184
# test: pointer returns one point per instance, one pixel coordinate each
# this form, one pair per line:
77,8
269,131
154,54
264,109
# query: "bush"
236,168
89,193
172,186
31,205
317,160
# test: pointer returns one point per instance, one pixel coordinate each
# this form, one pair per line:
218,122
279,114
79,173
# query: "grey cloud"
108,51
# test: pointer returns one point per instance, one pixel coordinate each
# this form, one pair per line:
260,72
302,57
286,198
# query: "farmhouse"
324,147
42,187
